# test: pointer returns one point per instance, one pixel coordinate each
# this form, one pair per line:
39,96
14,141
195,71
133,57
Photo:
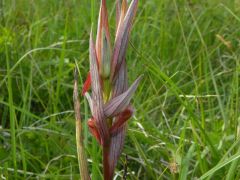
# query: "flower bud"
105,63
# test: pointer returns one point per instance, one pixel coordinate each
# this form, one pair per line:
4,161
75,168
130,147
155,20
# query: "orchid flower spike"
110,95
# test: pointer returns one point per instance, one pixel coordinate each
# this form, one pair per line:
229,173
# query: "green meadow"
186,123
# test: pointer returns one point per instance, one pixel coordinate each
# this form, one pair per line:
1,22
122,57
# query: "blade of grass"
186,163
220,102
233,169
142,156
60,66
11,114
196,90
220,165
173,87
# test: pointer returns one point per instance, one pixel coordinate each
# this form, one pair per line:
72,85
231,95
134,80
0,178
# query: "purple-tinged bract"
110,98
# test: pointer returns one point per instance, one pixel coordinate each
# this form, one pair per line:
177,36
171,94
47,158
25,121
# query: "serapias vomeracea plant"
110,98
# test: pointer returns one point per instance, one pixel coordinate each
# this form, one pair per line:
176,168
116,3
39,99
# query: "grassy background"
187,122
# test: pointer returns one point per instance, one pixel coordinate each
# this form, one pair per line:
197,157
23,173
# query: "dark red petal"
93,129
87,84
121,119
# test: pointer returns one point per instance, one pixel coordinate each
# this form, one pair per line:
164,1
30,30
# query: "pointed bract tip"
122,39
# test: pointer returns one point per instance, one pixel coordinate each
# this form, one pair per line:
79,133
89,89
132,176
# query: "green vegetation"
187,118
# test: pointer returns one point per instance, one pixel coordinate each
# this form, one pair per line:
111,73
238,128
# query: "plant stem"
82,160
106,167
